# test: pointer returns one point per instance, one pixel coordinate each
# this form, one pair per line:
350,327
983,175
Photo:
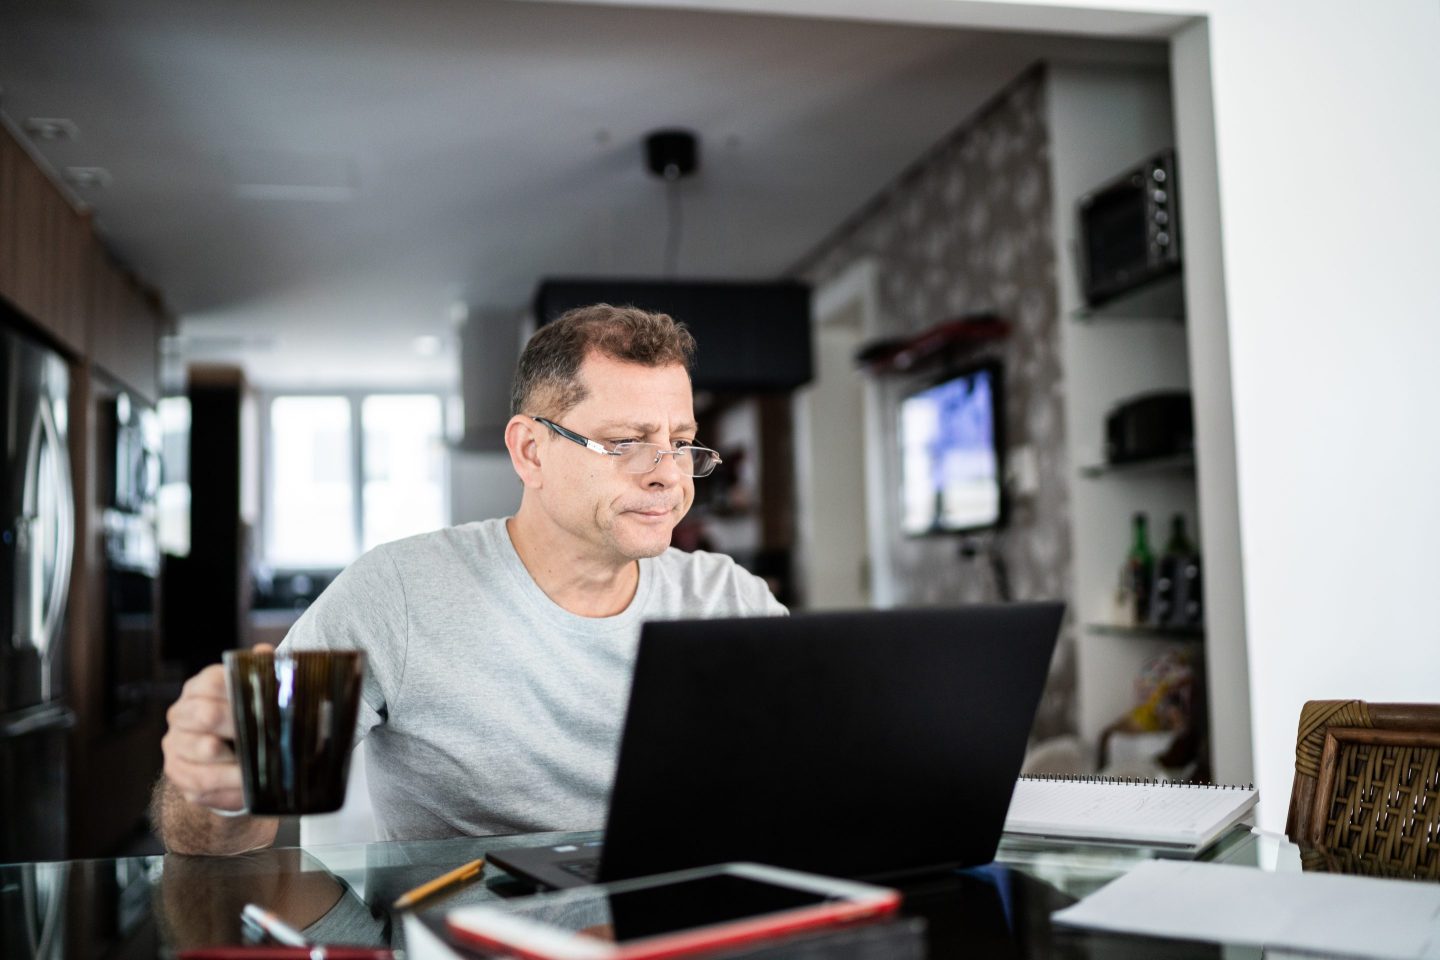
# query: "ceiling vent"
88,178
52,128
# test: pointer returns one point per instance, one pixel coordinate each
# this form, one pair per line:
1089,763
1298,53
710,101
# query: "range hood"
752,337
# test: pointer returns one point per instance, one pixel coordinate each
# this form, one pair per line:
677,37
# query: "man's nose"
667,472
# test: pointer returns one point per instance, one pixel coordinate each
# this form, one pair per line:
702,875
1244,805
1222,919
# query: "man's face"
591,496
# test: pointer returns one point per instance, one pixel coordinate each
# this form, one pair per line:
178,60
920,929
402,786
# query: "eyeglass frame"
660,451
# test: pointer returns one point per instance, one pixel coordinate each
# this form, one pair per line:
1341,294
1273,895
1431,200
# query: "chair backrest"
1367,783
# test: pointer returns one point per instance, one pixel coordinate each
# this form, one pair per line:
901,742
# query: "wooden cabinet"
113,764
124,331
56,273
63,282
46,249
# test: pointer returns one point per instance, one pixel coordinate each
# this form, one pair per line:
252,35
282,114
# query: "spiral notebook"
1169,814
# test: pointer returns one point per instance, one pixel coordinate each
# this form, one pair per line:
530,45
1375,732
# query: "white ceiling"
313,184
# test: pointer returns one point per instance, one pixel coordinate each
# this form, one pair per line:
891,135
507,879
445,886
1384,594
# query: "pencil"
469,870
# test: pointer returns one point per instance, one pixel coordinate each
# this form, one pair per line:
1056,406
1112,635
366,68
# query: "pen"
287,953
275,928
469,870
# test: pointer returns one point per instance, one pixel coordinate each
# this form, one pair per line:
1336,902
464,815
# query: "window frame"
355,398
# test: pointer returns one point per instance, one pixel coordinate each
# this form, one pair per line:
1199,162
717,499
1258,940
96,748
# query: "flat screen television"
952,475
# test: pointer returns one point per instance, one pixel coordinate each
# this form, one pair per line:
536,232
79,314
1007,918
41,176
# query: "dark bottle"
1140,570
1171,590
1189,598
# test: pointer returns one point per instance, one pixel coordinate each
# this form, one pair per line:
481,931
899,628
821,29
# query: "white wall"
1227,661
1327,148
1321,111
832,432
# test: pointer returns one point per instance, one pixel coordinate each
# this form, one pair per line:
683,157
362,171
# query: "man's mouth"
652,512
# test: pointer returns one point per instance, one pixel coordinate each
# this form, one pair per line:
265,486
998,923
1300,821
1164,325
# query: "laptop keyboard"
587,870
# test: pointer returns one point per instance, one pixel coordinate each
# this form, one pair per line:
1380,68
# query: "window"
349,472
404,488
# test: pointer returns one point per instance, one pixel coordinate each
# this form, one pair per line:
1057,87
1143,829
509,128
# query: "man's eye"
681,444
618,444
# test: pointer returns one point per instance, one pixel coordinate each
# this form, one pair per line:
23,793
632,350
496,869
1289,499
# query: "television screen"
950,454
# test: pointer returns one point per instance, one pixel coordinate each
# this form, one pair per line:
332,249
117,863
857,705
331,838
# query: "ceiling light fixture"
672,155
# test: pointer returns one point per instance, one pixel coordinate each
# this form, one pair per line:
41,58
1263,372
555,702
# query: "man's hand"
202,775
199,753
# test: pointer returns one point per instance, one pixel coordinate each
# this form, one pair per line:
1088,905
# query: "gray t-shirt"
487,707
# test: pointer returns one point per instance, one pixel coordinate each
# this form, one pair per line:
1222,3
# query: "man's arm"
186,827
202,775
364,609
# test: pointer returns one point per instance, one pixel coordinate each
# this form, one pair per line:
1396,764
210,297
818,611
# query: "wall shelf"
934,344
1147,631
1179,463
1161,300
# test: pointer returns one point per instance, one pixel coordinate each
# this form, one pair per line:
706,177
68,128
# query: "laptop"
873,744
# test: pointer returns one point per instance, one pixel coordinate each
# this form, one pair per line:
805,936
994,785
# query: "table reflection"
155,906
201,899
78,909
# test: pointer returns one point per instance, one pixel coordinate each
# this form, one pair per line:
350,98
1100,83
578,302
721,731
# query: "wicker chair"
1367,785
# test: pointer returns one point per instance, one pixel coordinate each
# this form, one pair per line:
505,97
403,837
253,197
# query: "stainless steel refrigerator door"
34,782
39,535
45,539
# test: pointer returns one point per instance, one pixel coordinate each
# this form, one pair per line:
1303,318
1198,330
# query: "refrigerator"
37,546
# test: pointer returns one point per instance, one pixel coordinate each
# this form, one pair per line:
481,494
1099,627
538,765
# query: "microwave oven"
1130,230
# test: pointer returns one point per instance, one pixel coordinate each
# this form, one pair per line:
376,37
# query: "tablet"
670,915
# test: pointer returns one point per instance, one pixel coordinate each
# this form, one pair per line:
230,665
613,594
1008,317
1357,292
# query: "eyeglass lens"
645,457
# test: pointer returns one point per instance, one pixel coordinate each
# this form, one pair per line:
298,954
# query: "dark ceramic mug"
294,726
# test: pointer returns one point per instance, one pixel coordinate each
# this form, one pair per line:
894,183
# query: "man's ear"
522,441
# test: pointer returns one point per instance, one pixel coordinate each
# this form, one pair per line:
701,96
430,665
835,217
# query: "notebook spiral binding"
1133,781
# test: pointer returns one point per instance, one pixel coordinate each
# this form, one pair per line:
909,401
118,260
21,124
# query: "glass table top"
160,905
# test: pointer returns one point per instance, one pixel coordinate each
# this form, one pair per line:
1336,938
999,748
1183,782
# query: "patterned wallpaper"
968,230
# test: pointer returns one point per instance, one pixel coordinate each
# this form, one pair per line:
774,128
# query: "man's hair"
547,379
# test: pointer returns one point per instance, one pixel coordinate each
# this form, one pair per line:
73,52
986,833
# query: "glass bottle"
1167,601
1189,598
1140,569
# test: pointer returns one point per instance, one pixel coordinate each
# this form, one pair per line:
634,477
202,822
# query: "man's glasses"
637,457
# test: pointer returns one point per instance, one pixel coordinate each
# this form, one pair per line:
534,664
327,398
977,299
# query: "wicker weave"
1367,786
1315,717
1340,861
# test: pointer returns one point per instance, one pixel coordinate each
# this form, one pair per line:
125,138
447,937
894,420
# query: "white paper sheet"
1221,903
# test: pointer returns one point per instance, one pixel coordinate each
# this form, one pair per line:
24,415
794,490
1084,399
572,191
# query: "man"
499,653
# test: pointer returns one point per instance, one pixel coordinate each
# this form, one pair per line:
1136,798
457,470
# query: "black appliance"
752,337
129,467
37,545
1150,426
1130,230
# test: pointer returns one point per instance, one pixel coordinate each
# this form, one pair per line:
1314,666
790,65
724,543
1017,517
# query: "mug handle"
243,811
